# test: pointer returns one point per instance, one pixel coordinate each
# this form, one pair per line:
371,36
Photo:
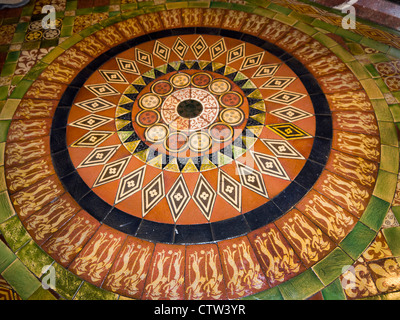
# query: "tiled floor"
198,150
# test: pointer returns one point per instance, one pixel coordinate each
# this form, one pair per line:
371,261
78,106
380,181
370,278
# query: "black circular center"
189,108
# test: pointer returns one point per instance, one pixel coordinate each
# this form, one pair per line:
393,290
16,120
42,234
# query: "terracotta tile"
33,109
350,168
353,197
277,258
96,258
333,220
37,196
68,241
350,101
45,90
22,130
203,273
355,121
365,146
24,176
165,280
44,223
242,272
299,231
21,152
130,268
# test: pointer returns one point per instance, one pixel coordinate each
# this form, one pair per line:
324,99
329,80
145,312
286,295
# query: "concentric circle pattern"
172,151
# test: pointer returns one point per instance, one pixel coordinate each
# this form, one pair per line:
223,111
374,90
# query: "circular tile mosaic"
170,151
188,117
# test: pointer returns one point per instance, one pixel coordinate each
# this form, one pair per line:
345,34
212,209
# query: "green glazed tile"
330,267
34,258
348,34
16,79
12,56
270,294
3,92
396,212
83,11
245,8
357,240
129,6
334,291
66,283
305,28
19,37
325,40
151,9
385,186
8,69
372,71
389,159
2,148
198,4
394,52
382,110
392,236
302,17
68,21
220,5
52,55
132,13
6,208
355,48
342,53
378,57
382,85
21,89
278,8
388,133
111,20
6,256
372,89
36,70
145,4
21,279
395,110
90,30
90,292
176,5
4,125
375,213
374,44
42,294
324,25
301,287
66,31
14,233
264,12
396,94
3,187
100,9
285,19
260,3
71,41
22,27
359,70
31,45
